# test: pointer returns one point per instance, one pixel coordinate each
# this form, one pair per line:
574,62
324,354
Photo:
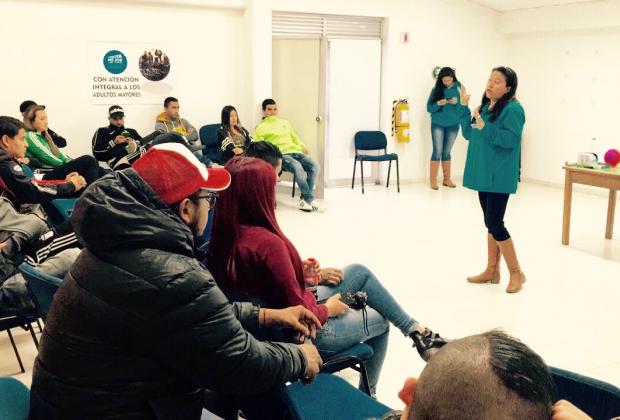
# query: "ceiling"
509,5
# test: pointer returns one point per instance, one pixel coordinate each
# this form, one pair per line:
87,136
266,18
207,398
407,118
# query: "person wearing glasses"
117,145
445,109
492,167
139,328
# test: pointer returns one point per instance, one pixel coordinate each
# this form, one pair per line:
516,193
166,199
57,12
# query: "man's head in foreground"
485,376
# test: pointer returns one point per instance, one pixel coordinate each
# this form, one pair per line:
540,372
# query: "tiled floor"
422,244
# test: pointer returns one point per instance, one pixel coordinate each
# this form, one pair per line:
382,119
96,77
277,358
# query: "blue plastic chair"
598,399
42,287
373,141
14,399
329,397
208,137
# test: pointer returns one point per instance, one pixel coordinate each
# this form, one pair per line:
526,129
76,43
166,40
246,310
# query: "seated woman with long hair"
232,137
251,256
43,152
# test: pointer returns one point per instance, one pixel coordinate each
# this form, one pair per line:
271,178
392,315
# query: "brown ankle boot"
491,273
517,278
433,174
447,182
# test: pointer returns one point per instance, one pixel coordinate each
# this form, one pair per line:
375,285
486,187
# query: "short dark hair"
268,101
265,151
25,105
168,100
489,375
10,126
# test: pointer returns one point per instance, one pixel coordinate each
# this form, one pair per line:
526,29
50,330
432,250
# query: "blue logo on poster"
115,62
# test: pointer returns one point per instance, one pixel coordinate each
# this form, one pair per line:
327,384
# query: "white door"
353,102
296,84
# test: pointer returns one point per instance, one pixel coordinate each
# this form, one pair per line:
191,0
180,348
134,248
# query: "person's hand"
3,245
442,102
78,181
191,130
564,410
71,175
296,317
23,161
313,360
330,276
237,150
305,150
335,307
120,139
478,118
452,101
464,96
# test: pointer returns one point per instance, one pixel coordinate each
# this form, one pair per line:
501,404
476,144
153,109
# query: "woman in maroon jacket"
250,255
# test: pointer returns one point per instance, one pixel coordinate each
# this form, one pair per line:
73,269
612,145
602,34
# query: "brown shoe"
445,167
517,278
491,273
433,174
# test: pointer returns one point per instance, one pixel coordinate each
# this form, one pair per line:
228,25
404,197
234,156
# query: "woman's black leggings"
86,166
494,207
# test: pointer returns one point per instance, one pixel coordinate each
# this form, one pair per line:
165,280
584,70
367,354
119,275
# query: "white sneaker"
303,206
316,205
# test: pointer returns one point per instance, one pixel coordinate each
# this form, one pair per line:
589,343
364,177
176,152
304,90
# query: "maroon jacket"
265,270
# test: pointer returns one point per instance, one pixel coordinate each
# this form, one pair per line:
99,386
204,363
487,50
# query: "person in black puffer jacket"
138,327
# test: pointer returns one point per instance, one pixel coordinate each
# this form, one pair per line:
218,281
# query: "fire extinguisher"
400,120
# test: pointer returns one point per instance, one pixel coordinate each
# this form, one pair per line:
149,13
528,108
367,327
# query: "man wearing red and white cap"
138,328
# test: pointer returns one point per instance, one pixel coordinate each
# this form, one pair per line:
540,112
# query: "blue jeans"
443,140
345,331
306,171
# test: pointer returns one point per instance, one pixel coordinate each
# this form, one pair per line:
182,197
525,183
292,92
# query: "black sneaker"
427,343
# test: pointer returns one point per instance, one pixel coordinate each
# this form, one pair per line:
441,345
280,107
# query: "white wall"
224,53
44,58
442,32
567,61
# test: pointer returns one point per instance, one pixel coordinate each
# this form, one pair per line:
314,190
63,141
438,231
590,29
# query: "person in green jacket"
492,167
295,157
445,109
43,152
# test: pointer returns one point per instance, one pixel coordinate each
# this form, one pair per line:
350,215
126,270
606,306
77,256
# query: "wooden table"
596,178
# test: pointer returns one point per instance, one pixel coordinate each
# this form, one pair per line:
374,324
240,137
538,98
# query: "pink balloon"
612,157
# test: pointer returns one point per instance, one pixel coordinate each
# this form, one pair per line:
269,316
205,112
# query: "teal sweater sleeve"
465,122
507,132
430,105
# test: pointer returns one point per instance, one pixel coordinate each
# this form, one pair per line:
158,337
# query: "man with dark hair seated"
117,145
57,138
138,329
267,152
22,232
19,188
485,376
295,158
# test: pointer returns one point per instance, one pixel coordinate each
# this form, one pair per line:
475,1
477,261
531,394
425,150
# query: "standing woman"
492,167
232,137
445,110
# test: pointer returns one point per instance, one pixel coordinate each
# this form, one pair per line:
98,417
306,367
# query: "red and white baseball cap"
173,171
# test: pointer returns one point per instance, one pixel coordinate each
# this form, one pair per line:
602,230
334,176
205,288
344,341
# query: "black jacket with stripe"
23,190
105,150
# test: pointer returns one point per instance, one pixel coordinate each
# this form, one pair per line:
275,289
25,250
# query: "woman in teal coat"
445,110
492,167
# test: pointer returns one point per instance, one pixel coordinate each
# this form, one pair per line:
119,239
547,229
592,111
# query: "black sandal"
427,341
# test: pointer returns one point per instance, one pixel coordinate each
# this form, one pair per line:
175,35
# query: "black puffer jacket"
138,328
